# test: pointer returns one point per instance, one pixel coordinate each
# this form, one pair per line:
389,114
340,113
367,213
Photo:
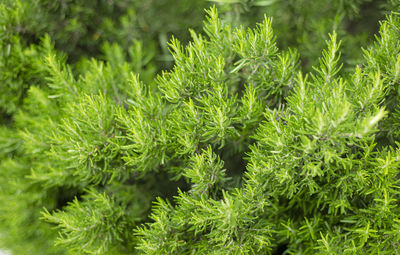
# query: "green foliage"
305,25
84,28
94,225
244,146
81,27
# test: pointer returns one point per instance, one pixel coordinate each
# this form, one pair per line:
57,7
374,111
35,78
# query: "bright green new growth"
242,152
315,180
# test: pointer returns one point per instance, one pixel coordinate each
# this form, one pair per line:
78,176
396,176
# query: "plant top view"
199,127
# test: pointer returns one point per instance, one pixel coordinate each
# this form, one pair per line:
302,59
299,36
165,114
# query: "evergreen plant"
244,146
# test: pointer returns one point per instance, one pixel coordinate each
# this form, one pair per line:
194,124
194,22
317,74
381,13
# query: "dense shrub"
260,139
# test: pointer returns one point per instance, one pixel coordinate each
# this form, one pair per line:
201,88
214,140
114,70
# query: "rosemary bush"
254,136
